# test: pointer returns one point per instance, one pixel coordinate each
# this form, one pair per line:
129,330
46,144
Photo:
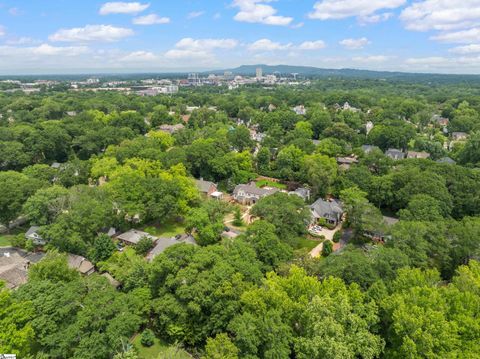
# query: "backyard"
267,183
169,229
157,349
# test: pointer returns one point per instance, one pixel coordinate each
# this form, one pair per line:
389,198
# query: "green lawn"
5,240
306,243
159,350
267,183
170,229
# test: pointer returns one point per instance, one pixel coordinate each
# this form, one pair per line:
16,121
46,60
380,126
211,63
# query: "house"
205,187
302,193
395,154
109,231
171,129
271,107
441,121
330,210
133,236
300,110
369,148
56,165
80,264
32,234
459,136
257,136
14,264
346,162
163,243
347,107
446,160
418,155
115,283
71,113
249,194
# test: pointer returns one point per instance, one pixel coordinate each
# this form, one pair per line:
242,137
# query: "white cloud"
180,54
107,33
2,31
123,8
257,11
341,9
151,19
199,49
355,44
372,19
312,45
205,44
194,14
468,49
22,41
441,15
268,45
43,50
139,56
462,37
371,59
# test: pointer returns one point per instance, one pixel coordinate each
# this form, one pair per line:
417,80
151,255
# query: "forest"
399,279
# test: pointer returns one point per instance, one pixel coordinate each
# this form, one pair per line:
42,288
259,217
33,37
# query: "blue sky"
62,36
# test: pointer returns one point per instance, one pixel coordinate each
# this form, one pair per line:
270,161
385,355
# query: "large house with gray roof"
330,210
249,194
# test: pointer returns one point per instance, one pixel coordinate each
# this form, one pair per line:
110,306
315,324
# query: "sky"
87,36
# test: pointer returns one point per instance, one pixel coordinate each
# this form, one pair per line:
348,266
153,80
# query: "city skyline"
96,36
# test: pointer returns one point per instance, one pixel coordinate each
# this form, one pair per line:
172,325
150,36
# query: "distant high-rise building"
259,73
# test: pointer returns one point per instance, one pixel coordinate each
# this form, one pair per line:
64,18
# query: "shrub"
143,246
147,338
337,236
327,248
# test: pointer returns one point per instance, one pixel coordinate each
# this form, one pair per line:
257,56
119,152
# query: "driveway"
328,233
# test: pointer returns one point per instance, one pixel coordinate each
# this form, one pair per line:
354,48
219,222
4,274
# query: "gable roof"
204,186
395,154
327,209
133,236
446,160
252,190
163,243
80,263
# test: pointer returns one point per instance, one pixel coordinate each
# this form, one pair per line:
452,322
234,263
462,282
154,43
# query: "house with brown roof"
81,264
418,155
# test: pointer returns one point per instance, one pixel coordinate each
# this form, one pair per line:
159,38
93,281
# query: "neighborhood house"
164,243
133,236
249,194
81,264
330,210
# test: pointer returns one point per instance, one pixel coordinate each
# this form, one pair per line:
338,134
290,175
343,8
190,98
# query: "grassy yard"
170,229
157,349
5,240
267,183
306,243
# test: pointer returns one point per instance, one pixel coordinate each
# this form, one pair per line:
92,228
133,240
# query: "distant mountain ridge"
310,71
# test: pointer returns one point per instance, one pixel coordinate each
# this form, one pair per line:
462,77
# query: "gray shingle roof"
204,186
133,236
327,209
253,190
